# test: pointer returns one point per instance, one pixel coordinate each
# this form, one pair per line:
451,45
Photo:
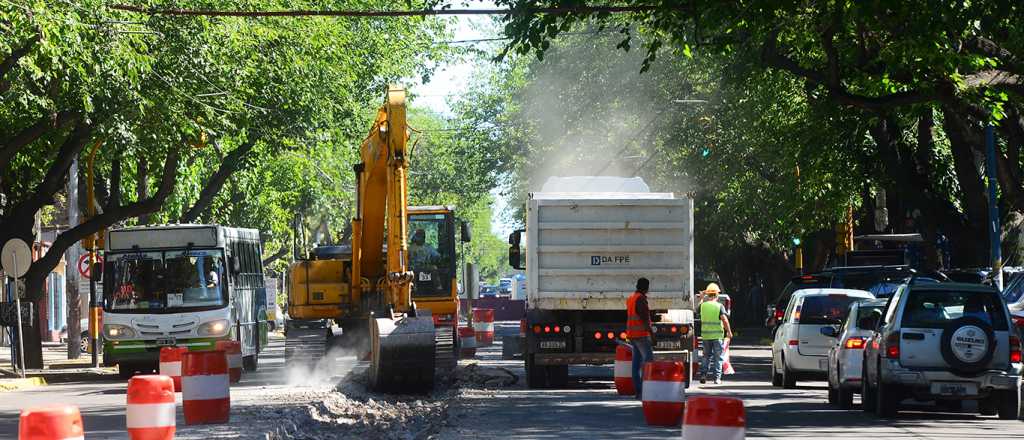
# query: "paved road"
587,409
590,409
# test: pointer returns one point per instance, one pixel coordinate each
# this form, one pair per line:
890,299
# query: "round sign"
16,257
969,344
83,264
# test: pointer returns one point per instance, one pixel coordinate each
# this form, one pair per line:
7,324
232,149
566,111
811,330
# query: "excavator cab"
432,260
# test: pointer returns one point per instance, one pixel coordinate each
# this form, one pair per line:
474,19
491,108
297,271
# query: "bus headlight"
118,331
219,327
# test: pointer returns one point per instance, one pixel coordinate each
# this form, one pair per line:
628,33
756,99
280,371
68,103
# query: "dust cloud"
337,363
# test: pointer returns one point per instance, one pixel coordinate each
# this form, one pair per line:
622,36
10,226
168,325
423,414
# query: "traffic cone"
624,370
151,408
205,393
170,364
664,391
52,422
233,350
714,418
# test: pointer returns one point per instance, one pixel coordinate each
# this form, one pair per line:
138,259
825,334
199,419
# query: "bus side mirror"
465,232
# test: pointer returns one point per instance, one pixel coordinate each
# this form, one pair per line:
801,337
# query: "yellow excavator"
393,289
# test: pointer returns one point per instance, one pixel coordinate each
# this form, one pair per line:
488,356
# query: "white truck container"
585,251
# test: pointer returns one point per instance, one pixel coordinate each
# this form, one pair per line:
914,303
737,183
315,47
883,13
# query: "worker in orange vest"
639,331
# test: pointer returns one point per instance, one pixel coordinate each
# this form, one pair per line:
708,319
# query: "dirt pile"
476,376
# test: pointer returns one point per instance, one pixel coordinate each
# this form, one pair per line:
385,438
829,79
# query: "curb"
19,384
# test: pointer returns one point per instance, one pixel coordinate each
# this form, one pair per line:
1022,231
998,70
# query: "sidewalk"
57,368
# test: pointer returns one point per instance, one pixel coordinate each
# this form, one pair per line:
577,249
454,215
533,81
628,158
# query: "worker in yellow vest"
639,331
714,331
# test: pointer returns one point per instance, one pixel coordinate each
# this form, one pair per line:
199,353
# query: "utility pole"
71,269
993,207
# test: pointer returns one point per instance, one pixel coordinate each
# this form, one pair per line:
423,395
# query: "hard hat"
712,289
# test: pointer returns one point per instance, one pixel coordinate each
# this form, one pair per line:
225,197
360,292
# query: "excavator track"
305,345
402,355
446,357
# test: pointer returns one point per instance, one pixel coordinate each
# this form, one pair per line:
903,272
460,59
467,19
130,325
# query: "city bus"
181,285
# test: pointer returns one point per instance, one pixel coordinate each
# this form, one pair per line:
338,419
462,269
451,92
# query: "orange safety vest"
635,327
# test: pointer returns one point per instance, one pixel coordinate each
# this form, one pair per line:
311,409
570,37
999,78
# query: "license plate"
552,344
955,389
823,364
424,276
669,345
164,341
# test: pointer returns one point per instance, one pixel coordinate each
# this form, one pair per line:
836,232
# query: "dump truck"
587,241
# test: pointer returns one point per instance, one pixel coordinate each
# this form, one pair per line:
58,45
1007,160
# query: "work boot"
718,381
703,380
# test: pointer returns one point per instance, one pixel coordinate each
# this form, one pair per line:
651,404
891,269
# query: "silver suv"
946,343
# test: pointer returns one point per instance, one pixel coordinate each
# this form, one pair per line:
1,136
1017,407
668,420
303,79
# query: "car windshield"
882,284
825,309
865,311
165,282
937,308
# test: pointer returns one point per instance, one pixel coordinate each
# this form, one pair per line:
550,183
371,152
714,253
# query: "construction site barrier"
170,364
483,324
233,350
624,370
151,408
467,342
664,392
714,418
52,422
206,393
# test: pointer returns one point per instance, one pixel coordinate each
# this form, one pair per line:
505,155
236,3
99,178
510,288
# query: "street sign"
16,257
8,318
83,265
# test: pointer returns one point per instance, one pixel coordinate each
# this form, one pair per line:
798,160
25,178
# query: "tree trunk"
965,142
71,268
142,185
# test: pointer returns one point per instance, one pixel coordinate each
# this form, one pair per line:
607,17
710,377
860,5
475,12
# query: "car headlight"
118,331
219,327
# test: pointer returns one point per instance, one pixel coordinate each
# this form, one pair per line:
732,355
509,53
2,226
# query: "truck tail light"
558,329
611,335
854,343
1015,356
892,346
547,329
684,329
622,335
536,329
597,335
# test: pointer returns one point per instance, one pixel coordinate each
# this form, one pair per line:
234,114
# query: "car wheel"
788,378
867,394
83,343
1009,404
887,400
844,397
776,377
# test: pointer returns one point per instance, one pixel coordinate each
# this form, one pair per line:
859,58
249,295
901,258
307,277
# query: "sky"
449,80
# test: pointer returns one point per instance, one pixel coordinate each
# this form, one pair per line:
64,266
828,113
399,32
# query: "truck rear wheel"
536,375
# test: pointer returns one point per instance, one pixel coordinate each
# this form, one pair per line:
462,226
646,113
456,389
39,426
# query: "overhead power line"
396,13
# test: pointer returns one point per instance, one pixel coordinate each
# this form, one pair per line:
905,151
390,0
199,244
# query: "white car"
800,350
847,353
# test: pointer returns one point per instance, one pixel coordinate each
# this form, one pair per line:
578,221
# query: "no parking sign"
83,265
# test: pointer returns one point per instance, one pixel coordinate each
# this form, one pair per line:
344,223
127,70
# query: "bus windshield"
165,282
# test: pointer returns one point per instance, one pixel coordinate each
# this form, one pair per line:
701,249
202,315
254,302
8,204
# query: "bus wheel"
250,363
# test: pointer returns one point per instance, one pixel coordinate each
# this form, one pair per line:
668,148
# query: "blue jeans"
642,354
711,363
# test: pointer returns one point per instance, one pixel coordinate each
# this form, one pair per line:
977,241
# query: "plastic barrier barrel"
624,370
664,392
467,342
53,422
714,418
483,324
151,408
233,350
206,393
170,364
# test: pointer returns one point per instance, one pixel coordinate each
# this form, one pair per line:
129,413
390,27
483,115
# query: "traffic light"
844,233
796,241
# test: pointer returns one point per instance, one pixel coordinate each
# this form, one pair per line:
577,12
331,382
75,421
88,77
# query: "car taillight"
796,315
892,346
793,342
855,343
1015,356
1018,321
779,313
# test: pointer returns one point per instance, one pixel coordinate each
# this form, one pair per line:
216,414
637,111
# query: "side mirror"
829,331
515,258
465,233
472,282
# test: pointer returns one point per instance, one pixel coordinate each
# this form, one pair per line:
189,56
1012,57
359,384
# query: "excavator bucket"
402,354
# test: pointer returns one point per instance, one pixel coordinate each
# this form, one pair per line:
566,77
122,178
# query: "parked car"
944,342
847,353
777,310
488,292
1013,291
83,344
800,350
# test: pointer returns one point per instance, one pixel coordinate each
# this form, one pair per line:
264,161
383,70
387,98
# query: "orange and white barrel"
664,392
726,363
624,370
233,350
51,422
170,364
467,342
151,408
714,418
206,393
483,324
